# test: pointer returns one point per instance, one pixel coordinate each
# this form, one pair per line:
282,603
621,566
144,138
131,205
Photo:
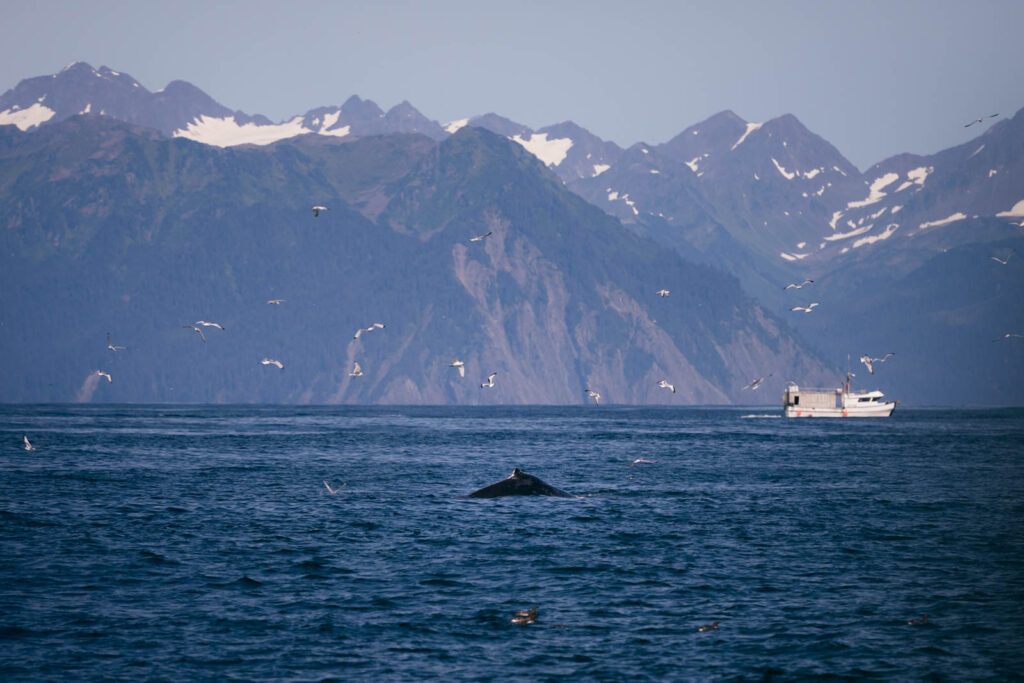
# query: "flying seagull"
757,382
982,120
371,328
663,293
100,373
1003,261
332,491
805,309
356,371
206,323
456,363
489,384
276,302
798,286
481,238
869,362
1009,335
663,384
317,209
274,362
594,395
112,346
197,330
28,444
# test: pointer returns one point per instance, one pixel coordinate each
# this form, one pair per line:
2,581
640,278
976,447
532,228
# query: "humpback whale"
519,483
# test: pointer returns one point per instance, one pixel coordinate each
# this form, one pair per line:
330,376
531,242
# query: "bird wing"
462,371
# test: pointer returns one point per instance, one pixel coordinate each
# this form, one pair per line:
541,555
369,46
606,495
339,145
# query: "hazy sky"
873,78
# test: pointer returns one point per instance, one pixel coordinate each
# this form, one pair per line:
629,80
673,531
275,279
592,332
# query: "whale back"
519,483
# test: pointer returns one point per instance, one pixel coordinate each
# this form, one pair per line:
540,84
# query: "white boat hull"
881,410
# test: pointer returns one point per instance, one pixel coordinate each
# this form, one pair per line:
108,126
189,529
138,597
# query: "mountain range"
116,219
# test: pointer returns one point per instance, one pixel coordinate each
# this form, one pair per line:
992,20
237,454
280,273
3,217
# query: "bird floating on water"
481,238
100,373
27,444
357,371
112,346
525,617
981,120
642,461
273,361
489,384
663,293
371,328
713,626
594,395
805,309
276,302
1009,335
801,285
757,382
663,384
318,208
918,621
332,491
459,365
869,362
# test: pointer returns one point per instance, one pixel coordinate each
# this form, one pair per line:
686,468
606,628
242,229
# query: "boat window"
863,400
796,400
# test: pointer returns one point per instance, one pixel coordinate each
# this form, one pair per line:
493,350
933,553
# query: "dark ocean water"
193,543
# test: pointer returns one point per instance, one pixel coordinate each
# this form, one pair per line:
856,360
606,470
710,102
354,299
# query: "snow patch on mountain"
226,132
835,219
813,172
916,177
793,257
599,169
975,152
1016,212
875,193
785,174
693,163
453,126
551,152
848,235
26,118
958,216
751,127
884,235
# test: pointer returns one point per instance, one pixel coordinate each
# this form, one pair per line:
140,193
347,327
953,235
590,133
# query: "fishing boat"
838,402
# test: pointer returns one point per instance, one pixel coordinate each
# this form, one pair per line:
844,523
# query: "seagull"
918,621
317,209
1003,261
100,373
663,293
713,626
28,444
489,384
757,382
805,309
332,491
356,371
276,302
205,323
481,238
1009,335
798,286
456,363
642,461
525,617
272,361
112,346
663,384
869,362
594,395
371,328
198,331
990,116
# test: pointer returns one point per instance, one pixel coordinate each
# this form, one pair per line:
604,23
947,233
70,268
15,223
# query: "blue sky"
873,78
